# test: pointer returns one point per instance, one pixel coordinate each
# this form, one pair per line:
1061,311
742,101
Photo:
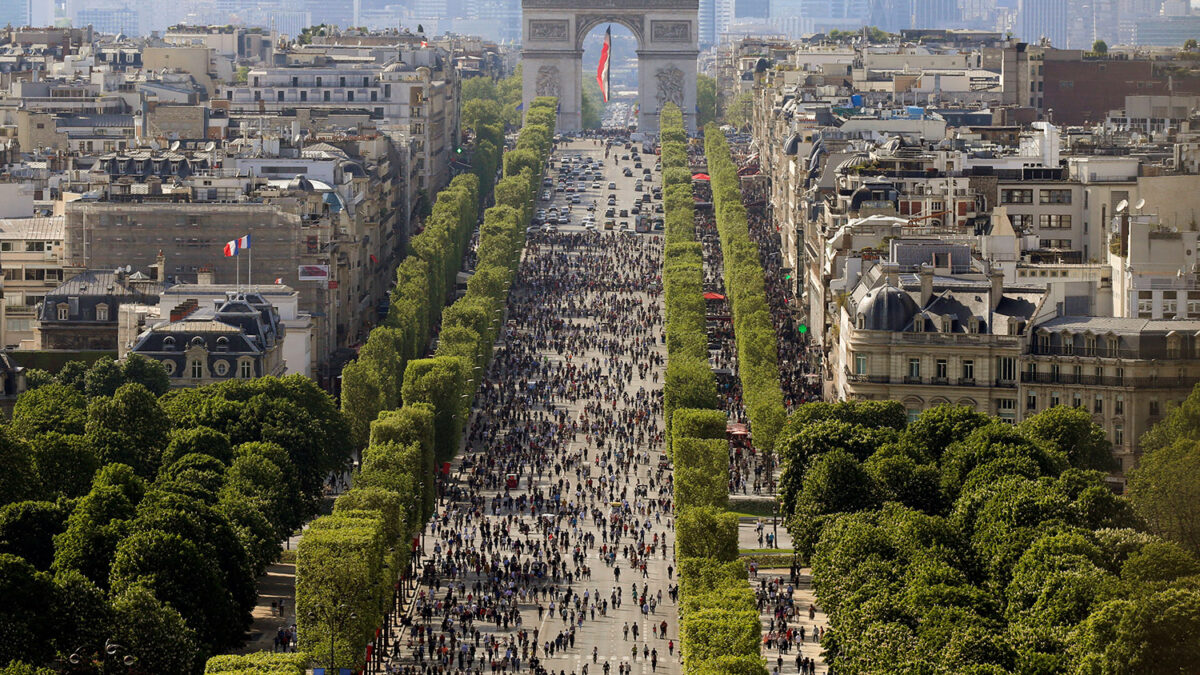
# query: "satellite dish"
1139,204
174,146
210,146
1122,205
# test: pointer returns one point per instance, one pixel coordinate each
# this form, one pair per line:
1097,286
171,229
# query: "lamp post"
111,648
335,617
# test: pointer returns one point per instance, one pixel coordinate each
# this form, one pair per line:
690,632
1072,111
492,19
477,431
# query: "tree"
51,407
1158,634
27,529
197,440
739,112
153,631
478,89
65,464
94,529
1165,491
18,480
85,615
103,378
129,427
1189,44
1100,47
1074,433
706,100
177,572
150,373
26,615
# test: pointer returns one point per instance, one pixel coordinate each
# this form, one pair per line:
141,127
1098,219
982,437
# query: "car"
612,201
627,172
637,165
624,225
637,187
548,182
612,185
624,213
624,157
533,229
658,167
637,208
595,185
658,208
571,188
658,224
610,213
645,197
590,227
564,219
546,196
646,171
591,207
609,224
575,199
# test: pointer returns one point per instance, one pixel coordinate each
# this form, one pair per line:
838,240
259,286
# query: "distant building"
1037,19
81,314
240,337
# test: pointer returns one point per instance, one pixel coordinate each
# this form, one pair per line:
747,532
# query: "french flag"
236,246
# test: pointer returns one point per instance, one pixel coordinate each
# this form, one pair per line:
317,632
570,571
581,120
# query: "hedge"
690,382
257,663
754,333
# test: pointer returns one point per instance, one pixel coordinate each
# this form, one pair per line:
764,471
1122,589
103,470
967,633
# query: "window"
325,95
1120,375
1154,407
245,370
1054,221
1068,344
942,370
6,246
1031,401
169,366
1055,197
303,95
860,364
1114,347
1098,404
1173,346
1021,221
914,368
102,312
912,414
1076,400
197,369
64,311
221,368
34,246
1007,367
279,96
1044,343
1119,405
1006,408
1016,196
1089,346
350,96
1118,434
1055,401
1055,375
968,370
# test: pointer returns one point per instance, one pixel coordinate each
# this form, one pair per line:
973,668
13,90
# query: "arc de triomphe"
667,37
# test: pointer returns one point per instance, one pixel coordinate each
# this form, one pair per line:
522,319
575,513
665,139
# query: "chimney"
891,273
159,271
204,277
183,309
926,275
997,277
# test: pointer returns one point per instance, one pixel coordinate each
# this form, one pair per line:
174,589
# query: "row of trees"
142,520
350,561
754,334
689,380
958,543
719,628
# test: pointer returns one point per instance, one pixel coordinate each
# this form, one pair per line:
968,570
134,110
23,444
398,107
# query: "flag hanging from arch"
605,57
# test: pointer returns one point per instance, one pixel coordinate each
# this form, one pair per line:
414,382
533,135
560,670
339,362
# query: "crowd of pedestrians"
556,527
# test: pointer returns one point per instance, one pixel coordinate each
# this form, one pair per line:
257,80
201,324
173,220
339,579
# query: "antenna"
1122,205
1139,204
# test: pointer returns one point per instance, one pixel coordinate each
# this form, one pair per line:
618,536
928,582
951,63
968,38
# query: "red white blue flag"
236,246
605,57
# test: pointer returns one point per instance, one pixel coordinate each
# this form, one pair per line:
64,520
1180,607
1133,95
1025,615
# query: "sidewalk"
278,583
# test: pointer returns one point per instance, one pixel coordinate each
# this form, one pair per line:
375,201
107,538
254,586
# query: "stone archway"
667,37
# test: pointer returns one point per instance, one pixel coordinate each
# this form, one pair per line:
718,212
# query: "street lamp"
111,648
336,617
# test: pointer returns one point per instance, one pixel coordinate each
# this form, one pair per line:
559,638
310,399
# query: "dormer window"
1090,345
1174,348
1114,347
919,324
64,311
973,325
1068,344
861,323
102,312
245,370
223,344
168,343
1044,343
197,368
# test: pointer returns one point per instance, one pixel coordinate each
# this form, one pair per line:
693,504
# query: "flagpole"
250,270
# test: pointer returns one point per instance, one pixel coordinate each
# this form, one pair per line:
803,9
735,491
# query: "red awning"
713,296
699,176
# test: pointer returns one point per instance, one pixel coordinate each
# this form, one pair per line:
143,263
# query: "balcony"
1150,382
933,381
